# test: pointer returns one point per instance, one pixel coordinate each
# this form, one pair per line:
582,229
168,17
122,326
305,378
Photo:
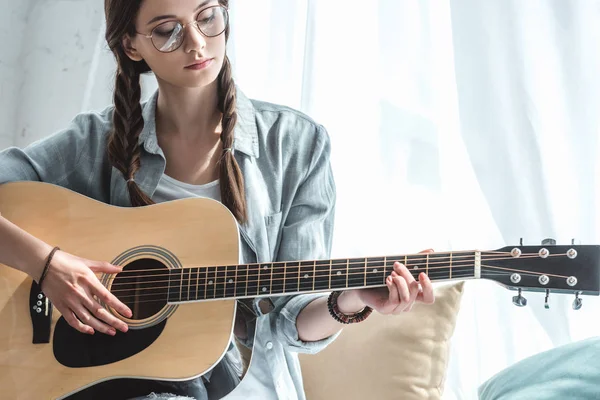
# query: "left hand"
399,295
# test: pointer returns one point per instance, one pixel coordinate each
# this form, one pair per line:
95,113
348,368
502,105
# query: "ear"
130,50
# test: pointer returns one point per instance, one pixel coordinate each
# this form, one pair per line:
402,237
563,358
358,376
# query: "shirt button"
269,345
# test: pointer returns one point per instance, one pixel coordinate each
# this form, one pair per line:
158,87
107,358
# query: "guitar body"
167,342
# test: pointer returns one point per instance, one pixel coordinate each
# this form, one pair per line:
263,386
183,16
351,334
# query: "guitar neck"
297,277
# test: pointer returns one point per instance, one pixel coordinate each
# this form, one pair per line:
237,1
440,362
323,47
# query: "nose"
193,39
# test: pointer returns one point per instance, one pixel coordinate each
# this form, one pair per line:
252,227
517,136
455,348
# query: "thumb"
105,267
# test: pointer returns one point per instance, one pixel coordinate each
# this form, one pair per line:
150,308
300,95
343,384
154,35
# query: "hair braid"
232,182
123,144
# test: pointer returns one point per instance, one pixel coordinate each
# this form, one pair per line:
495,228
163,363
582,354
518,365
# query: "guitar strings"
229,268
221,287
399,258
165,294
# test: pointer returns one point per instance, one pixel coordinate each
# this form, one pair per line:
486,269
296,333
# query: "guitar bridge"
40,309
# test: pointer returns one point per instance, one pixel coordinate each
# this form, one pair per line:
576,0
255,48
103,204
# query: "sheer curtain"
455,125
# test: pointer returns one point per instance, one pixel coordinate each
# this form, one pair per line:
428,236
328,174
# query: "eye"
166,29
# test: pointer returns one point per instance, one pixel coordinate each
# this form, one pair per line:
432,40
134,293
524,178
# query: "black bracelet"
342,318
45,271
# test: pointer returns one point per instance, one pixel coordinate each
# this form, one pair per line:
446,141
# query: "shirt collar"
245,131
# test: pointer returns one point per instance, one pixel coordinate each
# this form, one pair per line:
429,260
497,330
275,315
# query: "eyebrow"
204,3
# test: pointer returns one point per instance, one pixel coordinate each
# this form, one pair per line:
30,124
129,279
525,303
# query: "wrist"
349,302
37,258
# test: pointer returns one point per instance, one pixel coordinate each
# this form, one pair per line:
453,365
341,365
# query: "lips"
200,64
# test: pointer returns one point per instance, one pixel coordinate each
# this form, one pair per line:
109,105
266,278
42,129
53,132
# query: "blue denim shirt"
285,160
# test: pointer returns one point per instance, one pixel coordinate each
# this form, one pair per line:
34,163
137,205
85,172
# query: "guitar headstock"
550,268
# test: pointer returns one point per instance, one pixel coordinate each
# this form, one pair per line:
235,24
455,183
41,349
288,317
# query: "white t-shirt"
171,189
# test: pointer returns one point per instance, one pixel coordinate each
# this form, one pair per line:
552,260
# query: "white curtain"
455,124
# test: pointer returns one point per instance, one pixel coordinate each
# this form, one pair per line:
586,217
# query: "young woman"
198,135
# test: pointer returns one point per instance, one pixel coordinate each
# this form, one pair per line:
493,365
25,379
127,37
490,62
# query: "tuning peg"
546,305
573,242
577,303
549,242
521,242
519,300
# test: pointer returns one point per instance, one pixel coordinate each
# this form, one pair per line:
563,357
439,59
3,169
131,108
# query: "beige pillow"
388,357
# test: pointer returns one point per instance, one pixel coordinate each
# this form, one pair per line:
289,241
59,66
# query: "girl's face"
178,53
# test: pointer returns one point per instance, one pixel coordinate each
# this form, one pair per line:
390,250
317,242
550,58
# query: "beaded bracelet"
340,317
45,271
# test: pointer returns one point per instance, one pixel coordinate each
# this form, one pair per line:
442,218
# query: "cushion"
570,371
388,356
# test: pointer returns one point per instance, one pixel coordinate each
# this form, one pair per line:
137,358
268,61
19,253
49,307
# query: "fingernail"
112,332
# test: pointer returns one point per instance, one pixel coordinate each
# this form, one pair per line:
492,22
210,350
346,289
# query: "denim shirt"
290,192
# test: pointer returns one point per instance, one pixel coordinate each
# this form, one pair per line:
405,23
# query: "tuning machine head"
519,300
577,303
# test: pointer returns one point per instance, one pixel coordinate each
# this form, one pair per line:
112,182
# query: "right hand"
71,285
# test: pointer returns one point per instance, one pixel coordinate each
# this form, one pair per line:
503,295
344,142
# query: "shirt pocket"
273,229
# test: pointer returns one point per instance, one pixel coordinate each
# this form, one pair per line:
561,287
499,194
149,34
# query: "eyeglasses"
168,36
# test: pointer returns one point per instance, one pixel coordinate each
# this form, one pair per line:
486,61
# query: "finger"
401,270
105,267
77,324
102,314
393,299
84,316
402,289
426,296
110,300
427,251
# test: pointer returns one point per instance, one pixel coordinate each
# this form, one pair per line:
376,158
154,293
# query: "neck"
188,113
293,277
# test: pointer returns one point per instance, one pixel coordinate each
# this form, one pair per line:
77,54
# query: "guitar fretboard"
292,277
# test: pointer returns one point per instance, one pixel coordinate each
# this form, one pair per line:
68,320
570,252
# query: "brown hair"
123,143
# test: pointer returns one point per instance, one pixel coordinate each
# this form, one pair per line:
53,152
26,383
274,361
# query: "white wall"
54,63
13,22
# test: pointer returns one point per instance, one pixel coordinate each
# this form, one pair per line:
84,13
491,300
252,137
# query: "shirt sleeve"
53,159
307,234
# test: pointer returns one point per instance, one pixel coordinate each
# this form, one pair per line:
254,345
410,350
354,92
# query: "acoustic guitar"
182,278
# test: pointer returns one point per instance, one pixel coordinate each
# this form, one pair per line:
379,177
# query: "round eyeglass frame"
195,23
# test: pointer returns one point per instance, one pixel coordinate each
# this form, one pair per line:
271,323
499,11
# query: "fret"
174,294
278,277
187,284
375,272
201,282
339,274
194,282
265,279
241,283
415,263
252,289
230,281
322,273
292,277
439,267
211,277
220,282
356,272
307,269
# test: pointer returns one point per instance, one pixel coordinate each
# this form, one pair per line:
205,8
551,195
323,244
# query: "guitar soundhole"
143,286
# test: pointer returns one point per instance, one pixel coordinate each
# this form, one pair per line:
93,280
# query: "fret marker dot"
416,267
306,276
339,272
375,271
264,289
210,282
266,267
231,281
